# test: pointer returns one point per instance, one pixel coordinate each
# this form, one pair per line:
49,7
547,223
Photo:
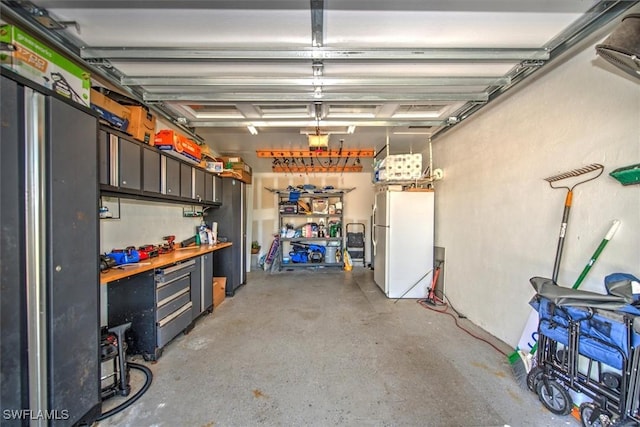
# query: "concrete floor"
327,348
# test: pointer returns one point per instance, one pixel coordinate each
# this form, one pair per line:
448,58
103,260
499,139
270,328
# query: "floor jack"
432,298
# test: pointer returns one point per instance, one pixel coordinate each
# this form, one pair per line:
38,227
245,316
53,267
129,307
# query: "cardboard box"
219,288
177,144
115,114
236,163
37,62
142,125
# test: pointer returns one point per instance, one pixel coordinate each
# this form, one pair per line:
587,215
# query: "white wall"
143,223
499,220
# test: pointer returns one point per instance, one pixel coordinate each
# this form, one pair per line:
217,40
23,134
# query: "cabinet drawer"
173,324
164,275
166,289
172,304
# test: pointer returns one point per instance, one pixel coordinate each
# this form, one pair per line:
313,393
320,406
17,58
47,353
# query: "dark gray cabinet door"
208,187
72,269
150,170
14,389
171,176
103,154
185,181
196,284
129,156
207,282
199,187
217,189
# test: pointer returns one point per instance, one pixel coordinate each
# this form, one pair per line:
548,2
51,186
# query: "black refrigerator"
231,217
49,284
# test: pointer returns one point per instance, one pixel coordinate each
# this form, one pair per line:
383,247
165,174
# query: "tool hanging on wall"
595,170
294,161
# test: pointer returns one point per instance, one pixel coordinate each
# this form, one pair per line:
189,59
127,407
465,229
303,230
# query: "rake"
594,170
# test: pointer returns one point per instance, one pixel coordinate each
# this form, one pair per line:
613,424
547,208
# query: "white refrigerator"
403,223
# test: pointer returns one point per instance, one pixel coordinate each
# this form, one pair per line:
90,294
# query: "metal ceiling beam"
14,15
317,23
322,81
286,123
311,53
312,97
592,22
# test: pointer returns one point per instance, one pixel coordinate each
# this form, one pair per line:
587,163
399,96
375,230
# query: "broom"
521,361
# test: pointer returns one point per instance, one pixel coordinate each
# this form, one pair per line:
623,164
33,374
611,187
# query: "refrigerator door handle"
373,229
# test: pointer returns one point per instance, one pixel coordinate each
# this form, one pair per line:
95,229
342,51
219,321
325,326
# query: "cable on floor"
448,304
124,405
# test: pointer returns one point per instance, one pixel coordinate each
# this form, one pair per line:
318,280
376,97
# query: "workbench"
178,255
161,297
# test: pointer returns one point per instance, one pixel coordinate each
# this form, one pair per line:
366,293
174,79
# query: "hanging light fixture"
318,141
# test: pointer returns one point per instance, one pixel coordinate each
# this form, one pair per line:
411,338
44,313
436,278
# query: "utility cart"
355,241
588,352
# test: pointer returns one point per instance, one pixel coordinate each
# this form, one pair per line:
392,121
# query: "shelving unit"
308,219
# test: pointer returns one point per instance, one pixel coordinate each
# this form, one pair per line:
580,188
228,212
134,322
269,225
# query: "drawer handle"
172,297
161,285
177,267
175,314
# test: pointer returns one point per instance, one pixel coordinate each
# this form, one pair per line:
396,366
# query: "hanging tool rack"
297,161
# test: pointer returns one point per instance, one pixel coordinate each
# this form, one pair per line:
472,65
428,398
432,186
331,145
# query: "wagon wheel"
534,377
591,416
554,397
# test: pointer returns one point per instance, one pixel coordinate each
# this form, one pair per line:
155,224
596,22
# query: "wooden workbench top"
180,254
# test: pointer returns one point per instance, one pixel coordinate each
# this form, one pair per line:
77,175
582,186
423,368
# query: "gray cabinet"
171,176
217,189
159,303
129,162
206,294
129,168
50,297
231,218
104,152
186,181
199,192
196,286
150,170
213,189
208,187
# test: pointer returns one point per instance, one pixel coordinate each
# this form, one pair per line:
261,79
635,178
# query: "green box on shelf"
37,62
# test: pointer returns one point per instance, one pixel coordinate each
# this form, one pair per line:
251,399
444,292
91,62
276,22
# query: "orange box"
117,115
170,140
142,125
219,286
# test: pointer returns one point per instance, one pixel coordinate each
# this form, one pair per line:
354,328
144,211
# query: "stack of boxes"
398,167
35,61
235,167
135,120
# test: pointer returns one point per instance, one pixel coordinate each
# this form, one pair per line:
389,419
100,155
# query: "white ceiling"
388,67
